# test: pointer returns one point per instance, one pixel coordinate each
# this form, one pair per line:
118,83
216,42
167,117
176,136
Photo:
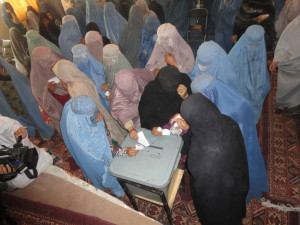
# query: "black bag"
19,158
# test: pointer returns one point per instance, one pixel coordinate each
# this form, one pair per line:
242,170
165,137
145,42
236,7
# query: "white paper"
166,132
107,93
139,147
54,80
142,139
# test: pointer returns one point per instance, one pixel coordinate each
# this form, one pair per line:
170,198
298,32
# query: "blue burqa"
8,20
114,22
212,59
91,67
79,13
225,23
149,37
5,110
87,142
234,105
177,14
70,35
94,13
22,85
249,59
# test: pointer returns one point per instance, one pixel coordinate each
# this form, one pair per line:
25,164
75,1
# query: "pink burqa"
170,41
94,43
43,60
126,92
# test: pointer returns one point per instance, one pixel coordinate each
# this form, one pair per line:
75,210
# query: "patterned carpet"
279,141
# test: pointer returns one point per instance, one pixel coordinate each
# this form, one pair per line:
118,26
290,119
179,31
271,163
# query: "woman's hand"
65,85
261,18
22,131
108,96
273,66
234,38
131,151
182,124
156,132
104,87
156,71
170,59
133,133
182,91
52,87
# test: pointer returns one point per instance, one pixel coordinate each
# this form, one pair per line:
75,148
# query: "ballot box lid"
151,167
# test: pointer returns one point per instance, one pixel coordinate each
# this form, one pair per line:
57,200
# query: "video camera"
19,158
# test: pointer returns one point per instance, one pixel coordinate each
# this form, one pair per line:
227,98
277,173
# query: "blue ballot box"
149,173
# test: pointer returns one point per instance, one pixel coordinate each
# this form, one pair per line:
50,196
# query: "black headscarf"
159,11
52,33
124,8
217,161
160,101
94,27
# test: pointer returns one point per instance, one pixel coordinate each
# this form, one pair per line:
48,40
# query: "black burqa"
94,27
251,9
217,162
160,101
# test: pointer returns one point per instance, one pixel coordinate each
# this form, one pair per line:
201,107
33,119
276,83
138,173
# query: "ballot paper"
164,131
139,147
54,80
142,139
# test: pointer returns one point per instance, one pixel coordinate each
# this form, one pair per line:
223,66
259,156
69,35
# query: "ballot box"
148,175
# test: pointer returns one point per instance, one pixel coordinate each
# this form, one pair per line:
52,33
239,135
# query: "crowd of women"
109,67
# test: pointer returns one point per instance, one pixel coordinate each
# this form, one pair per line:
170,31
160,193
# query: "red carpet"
282,156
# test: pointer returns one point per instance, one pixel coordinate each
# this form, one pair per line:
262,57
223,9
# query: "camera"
19,158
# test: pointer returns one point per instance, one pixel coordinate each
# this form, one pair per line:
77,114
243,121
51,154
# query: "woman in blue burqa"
22,86
10,18
234,105
131,36
224,27
94,13
114,22
70,35
177,14
212,59
84,134
249,59
78,11
87,64
149,37
217,162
